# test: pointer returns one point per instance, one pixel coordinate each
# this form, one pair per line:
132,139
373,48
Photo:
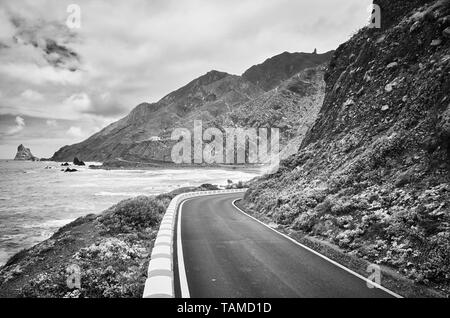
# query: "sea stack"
24,154
78,162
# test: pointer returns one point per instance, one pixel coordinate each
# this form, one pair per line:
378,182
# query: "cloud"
38,75
32,95
7,29
75,132
20,125
79,102
51,123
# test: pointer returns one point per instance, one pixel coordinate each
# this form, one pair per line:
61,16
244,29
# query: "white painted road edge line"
318,254
181,268
160,277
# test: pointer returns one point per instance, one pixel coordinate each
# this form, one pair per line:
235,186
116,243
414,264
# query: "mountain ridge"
138,135
278,68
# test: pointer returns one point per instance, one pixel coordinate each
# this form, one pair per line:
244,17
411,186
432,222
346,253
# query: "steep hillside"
372,175
131,137
279,68
292,107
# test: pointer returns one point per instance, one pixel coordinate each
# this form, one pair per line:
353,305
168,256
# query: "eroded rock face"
24,154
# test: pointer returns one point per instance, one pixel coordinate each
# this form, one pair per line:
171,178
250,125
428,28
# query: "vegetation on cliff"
372,175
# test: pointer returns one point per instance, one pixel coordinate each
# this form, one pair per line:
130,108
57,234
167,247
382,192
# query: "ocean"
36,198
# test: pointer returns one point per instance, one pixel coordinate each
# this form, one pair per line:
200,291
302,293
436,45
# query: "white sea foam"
119,194
47,224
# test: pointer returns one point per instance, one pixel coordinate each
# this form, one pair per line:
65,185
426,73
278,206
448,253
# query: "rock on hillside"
24,154
372,175
279,68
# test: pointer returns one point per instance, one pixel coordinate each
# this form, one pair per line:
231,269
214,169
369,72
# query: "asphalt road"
228,254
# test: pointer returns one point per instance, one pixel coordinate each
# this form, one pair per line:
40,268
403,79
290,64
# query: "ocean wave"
119,194
47,224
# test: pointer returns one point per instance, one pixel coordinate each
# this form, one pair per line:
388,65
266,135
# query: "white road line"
181,268
318,254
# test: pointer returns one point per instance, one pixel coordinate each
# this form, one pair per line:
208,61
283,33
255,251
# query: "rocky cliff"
24,154
292,106
144,135
372,175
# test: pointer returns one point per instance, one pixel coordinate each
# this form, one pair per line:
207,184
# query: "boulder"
392,65
446,32
70,170
66,164
436,42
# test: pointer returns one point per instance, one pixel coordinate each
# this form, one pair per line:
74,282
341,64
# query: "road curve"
228,254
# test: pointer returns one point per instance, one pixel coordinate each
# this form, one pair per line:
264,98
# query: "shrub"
133,215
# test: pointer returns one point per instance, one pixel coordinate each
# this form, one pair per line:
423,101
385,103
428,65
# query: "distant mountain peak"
216,72
212,76
281,67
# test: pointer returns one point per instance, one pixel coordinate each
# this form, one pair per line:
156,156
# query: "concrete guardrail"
160,275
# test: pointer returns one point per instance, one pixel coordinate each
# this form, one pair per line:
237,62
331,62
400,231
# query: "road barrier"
160,275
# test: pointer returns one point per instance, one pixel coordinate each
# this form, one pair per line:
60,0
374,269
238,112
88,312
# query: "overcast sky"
59,85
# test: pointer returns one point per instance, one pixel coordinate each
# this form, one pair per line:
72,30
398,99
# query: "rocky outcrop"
373,175
25,154
78,162
70,170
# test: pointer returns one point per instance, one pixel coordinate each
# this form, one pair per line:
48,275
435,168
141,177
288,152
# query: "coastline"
111,250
